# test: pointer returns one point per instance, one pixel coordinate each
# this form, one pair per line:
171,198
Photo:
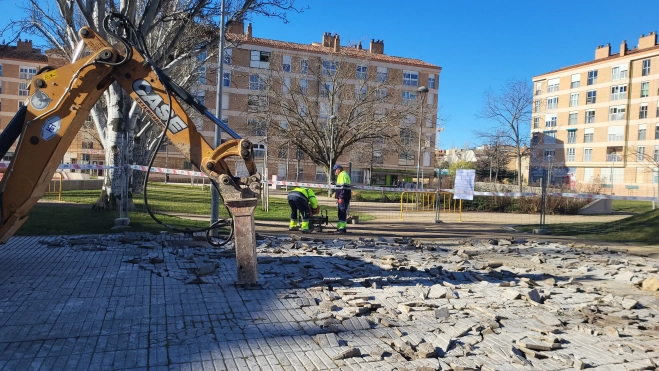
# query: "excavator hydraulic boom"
59,102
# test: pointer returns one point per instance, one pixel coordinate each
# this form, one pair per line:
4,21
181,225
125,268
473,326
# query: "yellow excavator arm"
59,102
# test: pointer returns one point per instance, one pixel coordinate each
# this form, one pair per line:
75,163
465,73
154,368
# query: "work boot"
305,227
292,226
341,231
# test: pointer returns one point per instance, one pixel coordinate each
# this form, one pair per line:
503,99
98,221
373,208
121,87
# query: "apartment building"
597,122
249,58
18,65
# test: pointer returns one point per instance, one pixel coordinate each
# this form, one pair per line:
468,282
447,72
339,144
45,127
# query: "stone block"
347,353
650,284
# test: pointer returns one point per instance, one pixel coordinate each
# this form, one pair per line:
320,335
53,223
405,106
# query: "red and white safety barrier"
373,188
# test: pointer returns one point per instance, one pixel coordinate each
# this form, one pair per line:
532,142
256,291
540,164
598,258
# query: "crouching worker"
303,200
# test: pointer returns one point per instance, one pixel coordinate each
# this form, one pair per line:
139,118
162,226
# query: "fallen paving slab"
140,301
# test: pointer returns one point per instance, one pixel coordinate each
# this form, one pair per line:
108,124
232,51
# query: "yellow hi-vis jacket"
308,193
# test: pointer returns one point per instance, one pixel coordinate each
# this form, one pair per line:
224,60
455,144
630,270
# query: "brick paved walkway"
168,303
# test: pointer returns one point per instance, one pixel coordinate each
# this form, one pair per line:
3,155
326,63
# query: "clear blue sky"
478,43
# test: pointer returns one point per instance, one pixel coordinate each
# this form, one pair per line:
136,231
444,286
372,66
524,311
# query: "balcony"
612,157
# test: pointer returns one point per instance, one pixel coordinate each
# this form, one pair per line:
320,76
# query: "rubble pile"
401,303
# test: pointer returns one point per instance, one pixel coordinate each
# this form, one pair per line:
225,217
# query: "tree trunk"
116,180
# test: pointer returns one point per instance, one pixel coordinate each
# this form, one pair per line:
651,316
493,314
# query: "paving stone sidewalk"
168,302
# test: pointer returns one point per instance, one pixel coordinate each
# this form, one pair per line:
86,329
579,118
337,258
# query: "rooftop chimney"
377,46
24,46
647,41
327,40
623,48
237,27
603,51
249,31
337,43
359,46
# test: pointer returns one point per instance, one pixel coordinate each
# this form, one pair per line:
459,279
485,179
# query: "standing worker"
303,200
342,195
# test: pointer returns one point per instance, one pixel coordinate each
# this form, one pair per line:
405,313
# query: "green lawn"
636,207
641,228
168,201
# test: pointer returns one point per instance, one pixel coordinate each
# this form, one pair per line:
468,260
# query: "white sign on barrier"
464,184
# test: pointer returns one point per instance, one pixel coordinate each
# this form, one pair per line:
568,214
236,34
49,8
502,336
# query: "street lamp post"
217,138
332,118
614,165
439,179
423,91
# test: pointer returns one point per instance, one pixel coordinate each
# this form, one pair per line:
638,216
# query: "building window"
406,137
0,70
257,103
645,89
536,122
591,96
201,57
258,150
360,92
1,93
286,85
619,72
226,79
538,88
618,92
329,68
550,155
259,59
616,133
592,77
27,73
550,121
641,132
552,103
410,78
536,106
588,135
657,113
256,82
572,136
200,97
302,111
643,111
587,154
323,110
656,132
256,127
408,97
617,113
646,67
576,81
304,66
552,85
227,56
406,158
550,137
361,72
571,152
590,116
640,153
22,89
382,74
574,99
431,81
381,93
304,86
573,118
202,75
656,153
326,89
286,63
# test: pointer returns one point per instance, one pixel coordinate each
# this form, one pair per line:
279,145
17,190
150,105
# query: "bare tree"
174,33
510,107
496,153
647,161
337,106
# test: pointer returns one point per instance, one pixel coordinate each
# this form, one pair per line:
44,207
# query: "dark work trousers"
343,210
297,201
